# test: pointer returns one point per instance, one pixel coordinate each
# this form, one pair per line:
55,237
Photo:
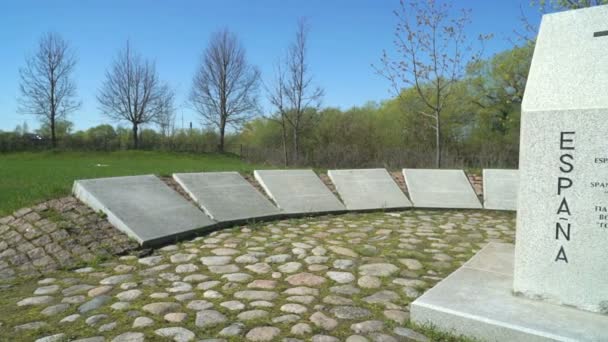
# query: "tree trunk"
220,147
296,146
438,141
53,136
284,136
135,137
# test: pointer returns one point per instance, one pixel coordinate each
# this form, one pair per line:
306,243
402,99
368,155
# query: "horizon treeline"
450,107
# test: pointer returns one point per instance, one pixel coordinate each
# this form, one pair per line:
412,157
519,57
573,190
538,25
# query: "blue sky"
346,37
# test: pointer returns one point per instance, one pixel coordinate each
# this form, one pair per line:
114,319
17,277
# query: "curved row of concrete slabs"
151,212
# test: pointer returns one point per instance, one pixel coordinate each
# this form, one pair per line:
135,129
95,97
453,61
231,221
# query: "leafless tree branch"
293,92
46,87
133,92
225,87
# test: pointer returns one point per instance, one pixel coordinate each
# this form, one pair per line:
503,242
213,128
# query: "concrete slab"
450,189
298,191
500,189
143,207
368,189
477,301
226,196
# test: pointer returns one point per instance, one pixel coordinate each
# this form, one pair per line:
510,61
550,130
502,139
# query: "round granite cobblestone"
331,278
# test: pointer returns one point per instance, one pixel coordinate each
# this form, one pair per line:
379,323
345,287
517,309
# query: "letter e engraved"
563,141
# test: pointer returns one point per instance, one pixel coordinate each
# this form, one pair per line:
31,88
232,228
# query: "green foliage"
63,128
496,87
480,125
30,177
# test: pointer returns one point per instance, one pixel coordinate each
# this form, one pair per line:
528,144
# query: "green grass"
31,177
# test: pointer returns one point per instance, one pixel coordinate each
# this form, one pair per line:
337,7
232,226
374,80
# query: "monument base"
477,301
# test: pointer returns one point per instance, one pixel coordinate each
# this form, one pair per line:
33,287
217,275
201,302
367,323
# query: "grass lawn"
31,177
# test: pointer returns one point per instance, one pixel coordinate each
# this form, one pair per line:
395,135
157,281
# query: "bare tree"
133,92
225,87
276,97
166,117
293,92
433,52
46,87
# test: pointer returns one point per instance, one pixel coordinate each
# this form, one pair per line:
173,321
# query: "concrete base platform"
477,301
226,196
143,207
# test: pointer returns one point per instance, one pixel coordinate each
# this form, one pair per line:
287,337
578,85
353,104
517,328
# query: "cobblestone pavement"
56,234
332,278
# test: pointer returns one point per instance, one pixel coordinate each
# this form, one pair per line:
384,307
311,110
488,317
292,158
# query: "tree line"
449,107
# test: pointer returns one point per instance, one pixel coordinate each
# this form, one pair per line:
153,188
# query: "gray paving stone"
340,277
142,322
94,304
70,318
226,196
263,334
367,327
350,312
129,337
161,308
31,326
368,189
298,191
301,329
294,308
305,279
324,338
55,309
234,329
116,279
208,318
39,300
378,269
256,295
251,315
143,207
450,189
323,321
178,334
52,338
216,260
47,290
102,339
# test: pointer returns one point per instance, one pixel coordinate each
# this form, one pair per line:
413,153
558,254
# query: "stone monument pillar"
553,284
561,249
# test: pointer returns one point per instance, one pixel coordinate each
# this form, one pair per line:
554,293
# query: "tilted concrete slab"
226,196
477,301
450,189
368,189
298,191
143,207
500,189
